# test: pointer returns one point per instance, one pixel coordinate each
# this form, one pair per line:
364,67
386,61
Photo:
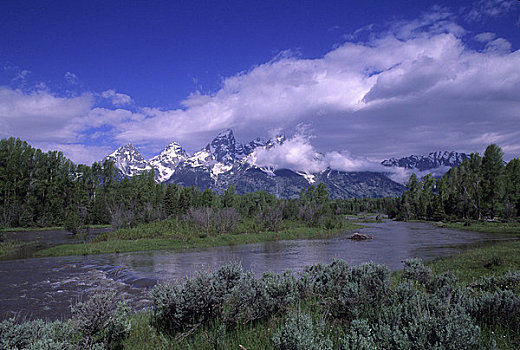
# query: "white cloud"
415,88
79,153
498,45
71,78
485,37
297,153
118,99
22,76
40,115
491,8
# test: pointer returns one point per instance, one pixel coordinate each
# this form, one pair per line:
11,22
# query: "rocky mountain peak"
128,159
277,140
431,161
224,147
165,162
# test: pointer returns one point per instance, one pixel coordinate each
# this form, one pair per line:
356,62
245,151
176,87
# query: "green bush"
253,298
180,306
499,307
360,337
299,333
414,319
348,291
491,283
36,334
102,319
415,270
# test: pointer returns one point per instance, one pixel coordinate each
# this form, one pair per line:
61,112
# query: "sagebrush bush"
253,298
359,337
415,270
36,334
510,281
299,332
414,319
102,319
350,291
324,279
499,307
179,306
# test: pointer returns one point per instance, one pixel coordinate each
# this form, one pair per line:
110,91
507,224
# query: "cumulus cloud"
79,153
41,116
117,98
298,153
498,45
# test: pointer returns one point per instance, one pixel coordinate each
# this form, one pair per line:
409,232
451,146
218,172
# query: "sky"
349,83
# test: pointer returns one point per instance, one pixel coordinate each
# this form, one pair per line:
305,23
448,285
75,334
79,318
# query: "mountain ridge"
224,162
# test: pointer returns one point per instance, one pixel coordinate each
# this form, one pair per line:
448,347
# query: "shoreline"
192,241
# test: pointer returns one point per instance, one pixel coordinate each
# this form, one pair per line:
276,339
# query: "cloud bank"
415,87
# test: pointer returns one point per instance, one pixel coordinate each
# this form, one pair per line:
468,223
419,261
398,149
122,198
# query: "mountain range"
224,162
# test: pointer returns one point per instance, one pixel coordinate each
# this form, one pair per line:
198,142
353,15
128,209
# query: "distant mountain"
431,161
165,162
224,162
128,160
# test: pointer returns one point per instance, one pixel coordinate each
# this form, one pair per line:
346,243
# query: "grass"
50,228
486,227
167,235
495,258
9,246
212,336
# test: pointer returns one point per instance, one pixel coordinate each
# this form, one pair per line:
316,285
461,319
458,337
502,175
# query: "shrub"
101,320
359,337
180,306
363,288
491,283
324,279
253,298
299,333
36,335
415,270
500,307
414,320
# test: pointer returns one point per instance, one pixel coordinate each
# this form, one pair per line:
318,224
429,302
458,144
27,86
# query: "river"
46,287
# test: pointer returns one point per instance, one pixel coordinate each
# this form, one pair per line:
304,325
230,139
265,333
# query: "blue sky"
358,81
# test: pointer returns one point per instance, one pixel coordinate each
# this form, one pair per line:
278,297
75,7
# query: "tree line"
44,189
481,187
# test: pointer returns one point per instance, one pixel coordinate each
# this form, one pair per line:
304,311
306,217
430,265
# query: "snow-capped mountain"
431,161
128,160
165,162
224,162
222,153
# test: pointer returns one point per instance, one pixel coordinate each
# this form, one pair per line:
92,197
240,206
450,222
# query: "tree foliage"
480,187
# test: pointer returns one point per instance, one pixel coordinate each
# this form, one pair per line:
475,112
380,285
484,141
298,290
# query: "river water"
46,287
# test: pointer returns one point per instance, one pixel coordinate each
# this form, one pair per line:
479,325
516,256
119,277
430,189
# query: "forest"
482,187
39,189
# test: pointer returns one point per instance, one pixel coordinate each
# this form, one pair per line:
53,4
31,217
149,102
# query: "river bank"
174,235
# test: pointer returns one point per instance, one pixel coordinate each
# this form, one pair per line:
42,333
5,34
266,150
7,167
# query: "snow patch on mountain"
128,160
166,161
311,178
431,161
